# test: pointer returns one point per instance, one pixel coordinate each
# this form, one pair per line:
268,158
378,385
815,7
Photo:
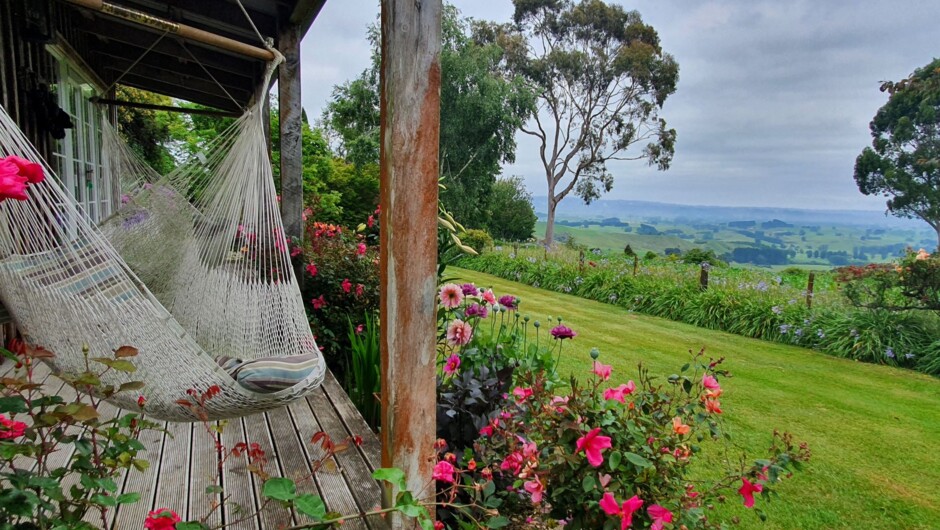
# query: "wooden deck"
184,462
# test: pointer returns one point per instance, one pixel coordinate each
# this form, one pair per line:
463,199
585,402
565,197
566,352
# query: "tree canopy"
510,215
903,163
601,77
480,112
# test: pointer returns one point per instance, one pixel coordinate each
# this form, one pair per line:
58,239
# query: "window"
77,158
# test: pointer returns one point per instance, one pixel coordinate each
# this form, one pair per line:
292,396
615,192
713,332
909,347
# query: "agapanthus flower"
451,295
459,333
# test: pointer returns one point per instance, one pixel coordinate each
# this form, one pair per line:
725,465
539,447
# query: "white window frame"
78,159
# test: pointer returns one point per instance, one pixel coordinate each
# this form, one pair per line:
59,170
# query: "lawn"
874,430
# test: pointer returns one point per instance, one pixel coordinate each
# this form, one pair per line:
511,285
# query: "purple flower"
889,353
784,328
476,310
469,289
761,286
508,301
776,310
562,332
909,355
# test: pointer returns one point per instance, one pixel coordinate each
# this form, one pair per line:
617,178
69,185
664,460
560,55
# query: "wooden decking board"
356,473
330,481
183,461
257,430
238,483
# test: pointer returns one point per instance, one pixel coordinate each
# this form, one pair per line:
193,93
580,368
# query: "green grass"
874,430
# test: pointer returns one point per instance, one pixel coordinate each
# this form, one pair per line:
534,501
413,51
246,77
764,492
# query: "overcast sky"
773,103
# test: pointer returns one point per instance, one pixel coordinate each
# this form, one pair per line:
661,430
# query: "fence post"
581,262
809,290
515,249
703,277
636,264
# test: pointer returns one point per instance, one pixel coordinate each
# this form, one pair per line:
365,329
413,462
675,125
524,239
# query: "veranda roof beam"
175,28
151,106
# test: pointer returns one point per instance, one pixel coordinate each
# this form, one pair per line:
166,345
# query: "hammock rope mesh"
194,266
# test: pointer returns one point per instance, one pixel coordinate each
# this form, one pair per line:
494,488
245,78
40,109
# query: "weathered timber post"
703,277
636,264
581,262
291,116
809,289
410,136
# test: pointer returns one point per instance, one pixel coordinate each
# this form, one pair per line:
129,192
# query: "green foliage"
699,256
480,112
32,492
357,187
476,239
152,134
510,214
364,378
603,78
903,163
742,301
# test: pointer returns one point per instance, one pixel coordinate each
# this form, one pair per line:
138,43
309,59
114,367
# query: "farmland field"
873,430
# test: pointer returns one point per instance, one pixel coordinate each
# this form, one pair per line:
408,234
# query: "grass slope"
874,431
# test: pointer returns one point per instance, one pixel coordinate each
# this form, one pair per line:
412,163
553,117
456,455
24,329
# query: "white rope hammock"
194,267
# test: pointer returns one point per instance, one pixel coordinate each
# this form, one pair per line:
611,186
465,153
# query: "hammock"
194,271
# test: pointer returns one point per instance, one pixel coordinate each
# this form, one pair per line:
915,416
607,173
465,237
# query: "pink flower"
563,332
370,221
451,295
31,170
306,213
678,427
360,289
559,403
361,249
659,515
625,512
512,463
470,290
141,401
713,406
747,490
346,285
161,519
311,269
490,427
619,393
509,302
489,297
476,310
536,488
521,393
602,370
444,471
319,302
530,451
296,251
709,382
11,429
593,444
452,364
12,184
360,328
459,333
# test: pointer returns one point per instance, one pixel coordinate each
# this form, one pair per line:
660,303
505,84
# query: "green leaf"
103,500
426,523
133,385
212,490
280,489
588,484
128,498
117,364
489,488
497,522
638,460
310,505
392,475
191,525
9,451
614,460
412,510
13,405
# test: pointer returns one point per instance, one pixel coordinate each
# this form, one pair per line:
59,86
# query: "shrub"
588,455
476,239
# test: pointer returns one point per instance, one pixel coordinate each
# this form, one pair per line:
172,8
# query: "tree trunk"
550,223
937,230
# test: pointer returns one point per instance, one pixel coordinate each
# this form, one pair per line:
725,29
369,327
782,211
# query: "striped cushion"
270,374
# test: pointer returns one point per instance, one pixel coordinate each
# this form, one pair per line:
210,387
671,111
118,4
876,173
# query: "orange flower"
678,427
713,406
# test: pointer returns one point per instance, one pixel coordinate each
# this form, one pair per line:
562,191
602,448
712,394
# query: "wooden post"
410,137
703,278
291,116
636,264
809,289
